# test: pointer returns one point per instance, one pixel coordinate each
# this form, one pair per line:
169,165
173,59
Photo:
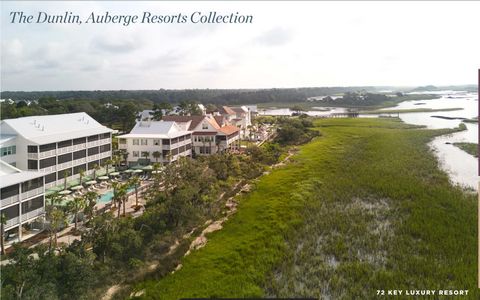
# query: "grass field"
470,148
413,110
361,208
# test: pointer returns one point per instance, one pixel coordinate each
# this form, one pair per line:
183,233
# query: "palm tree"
81,173
96,167
116,160
3,222
146,154
90,202
108,162
125,155
156,155
65,176
119,192
75,207
135,181
57,219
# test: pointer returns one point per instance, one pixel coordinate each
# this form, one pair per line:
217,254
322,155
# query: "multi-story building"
56,145
156,141
209,134
238,116
22,200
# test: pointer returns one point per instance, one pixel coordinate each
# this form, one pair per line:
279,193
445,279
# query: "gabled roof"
221,121
229,129
225,110
155,129
53,128
241,109
195,120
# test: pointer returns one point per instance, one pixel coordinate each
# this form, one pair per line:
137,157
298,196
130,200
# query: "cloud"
274,37
116,43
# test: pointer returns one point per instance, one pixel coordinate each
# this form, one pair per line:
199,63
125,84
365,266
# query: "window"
33,164
79,154
105,148
32,205
144,142
9,191
156,142
8,150
105,135
204,125
65,144
50,177
61,174
93,138
77,169
166,142
122,141
48,147
32,184
64,158
135,142
32,149
135,153
11,212
79,141
47,162
92,151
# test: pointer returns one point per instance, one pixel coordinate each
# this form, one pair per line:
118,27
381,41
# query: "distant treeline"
215,96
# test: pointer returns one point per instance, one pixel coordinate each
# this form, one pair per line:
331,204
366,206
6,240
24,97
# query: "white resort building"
156,141
40,152
210,134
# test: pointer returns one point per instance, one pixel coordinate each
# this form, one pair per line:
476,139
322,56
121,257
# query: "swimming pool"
107,197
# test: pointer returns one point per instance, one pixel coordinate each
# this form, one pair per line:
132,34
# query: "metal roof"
9,175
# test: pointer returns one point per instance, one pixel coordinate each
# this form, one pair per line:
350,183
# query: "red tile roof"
229,129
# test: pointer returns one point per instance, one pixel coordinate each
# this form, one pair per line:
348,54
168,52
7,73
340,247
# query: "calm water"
461,166
108,196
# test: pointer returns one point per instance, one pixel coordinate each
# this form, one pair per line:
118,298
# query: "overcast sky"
289,44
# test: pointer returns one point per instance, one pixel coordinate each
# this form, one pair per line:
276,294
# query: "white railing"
64,165
105,154
48,169
50,184
92,144
33,214
32,155
11,222
64,150
47,153
32,193
105,141
9,200
79,146
79,161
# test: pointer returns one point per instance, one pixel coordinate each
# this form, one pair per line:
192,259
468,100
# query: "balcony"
79,147
34,213
50,184
9,200
32,193
64,165
32,156
47,153
12,222
93,144
79,161
64,150
105,141
49,169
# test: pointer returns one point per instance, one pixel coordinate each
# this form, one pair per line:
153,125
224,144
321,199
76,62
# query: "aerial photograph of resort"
239,150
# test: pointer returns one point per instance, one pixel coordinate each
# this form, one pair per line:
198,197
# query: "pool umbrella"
76,188
137,171
114,173
129,171
64,192
91,182
103,178
148,168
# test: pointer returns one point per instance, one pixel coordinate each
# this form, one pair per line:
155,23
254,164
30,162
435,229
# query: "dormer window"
204,126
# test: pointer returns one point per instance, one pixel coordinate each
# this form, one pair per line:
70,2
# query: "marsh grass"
363,207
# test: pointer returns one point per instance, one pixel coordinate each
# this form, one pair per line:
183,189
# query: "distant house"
238,116
169,139
210,134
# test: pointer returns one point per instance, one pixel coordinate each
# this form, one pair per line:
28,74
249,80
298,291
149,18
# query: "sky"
288,44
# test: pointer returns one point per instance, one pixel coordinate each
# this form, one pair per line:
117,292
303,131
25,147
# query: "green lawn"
470,148
361,208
